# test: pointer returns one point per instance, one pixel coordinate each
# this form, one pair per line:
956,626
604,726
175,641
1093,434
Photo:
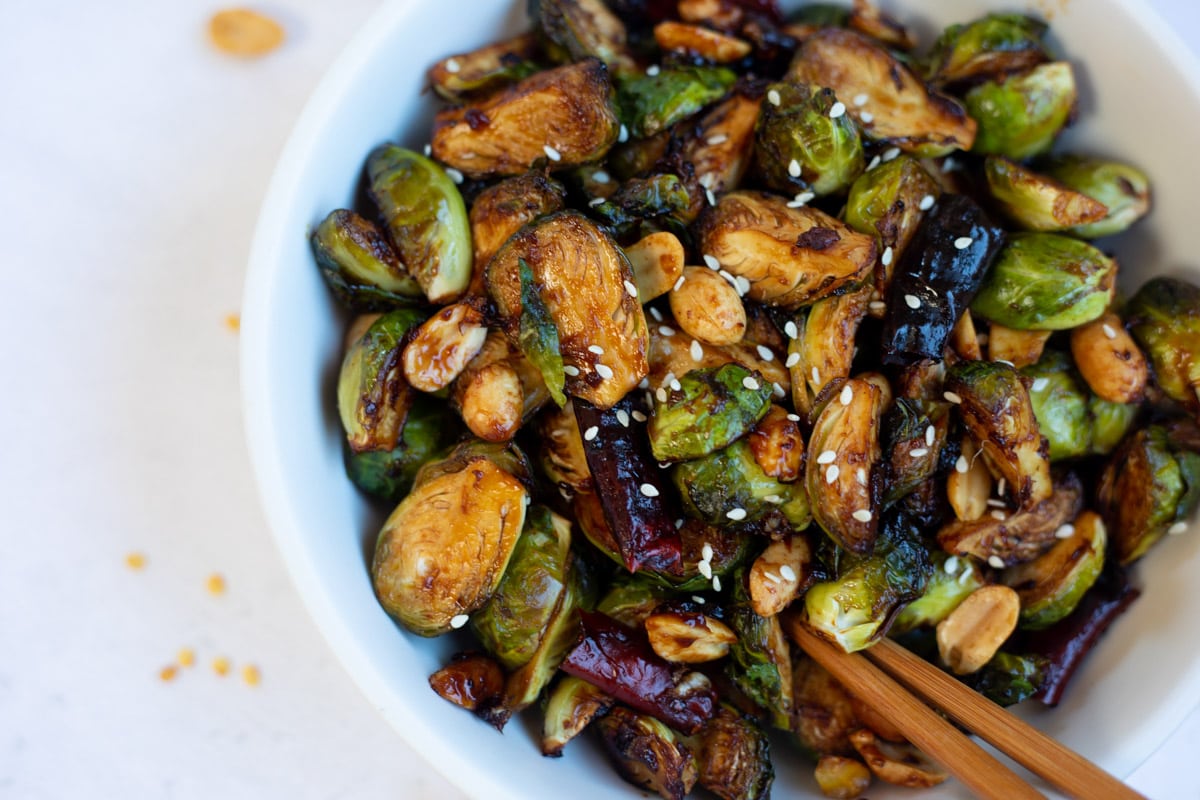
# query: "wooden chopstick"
1061,767
964,759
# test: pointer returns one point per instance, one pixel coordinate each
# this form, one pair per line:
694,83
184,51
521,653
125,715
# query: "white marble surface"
132,162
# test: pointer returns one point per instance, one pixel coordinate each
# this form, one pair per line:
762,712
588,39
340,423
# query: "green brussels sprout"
799,145
372,395
1052,584
572,704
1123,189
425,217
1060,404
644,201
1038,202
647,753
1165,319
511,623
855,608
820,15
487,68
629,599
712,409
538,335
730,485
1110,422
561,634
359,265
1008,679
760,662
1020,116
428,427
1148,489
992,45
582,28
950,581
734,755
650,104
1045,281
888,202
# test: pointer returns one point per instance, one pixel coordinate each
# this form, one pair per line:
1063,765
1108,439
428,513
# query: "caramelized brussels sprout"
1052,584
560,449
372,396
563,117
799,145
504,208
1008,679
791,256
650,104
485,69
734,756
1060,405
640,201
1148,489
1122,188
537,335
950,581
1038,202
1045,281
572,705
1164,317
729,486
560,634
359,265
583,28
993,45
711,409
475,682
631,598
822,351
389,474
720,148
1110,423
647,753
1021,115
443,551
425,218
760,663
916,433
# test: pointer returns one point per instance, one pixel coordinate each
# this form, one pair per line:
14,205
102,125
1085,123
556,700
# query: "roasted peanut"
442,346
965,340
778,445
971,635
693,40
1109,360
688,637
491,402
970,484
657,262
708,308
842,778
779,573
898,764
1019,348
716,13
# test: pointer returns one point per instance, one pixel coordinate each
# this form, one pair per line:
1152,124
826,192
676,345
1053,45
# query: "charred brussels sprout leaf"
650,104
888,202
800,146
1038,202
1044,281
950,581
640,200
1008,679
734,756
915,434
1165,319
475,682
359,265
647,753
582,28
372,395
1021,115
572,705
1052,584
760,663
993,45
389,473
485,69
1060,404
539,337
425,218
1123,189
712,409
715,487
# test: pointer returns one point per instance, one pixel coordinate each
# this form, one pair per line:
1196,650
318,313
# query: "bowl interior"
1135,688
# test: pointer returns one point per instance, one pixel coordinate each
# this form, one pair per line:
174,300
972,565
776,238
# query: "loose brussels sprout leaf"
561,453
389,473
719,148
734,757
1145,490
504,208
650,104
538,336
572,705
1008,679
711,409
1021,115
1123,189
475,682
799,145
950,581
916,433
511,623
791,256
583,28
568,109
631,598
1060,403
996,410
1044,281
857,607
941,271
373,397
647,753
760,663
993,45
729,486
444,549
903,110
1110,423
485,69
425,219
566,251
1164,317
359,265
1038,202
1052,584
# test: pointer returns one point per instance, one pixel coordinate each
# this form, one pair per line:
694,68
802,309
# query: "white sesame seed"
886,258
949,165
697,598
648,490
570,369
428,150
787,573
920,452
793,417
816,375
652,70
596,201
600,176
631,289
678,284
590,433
656,314
996,562
696,350
877,305
1000,486
792,360
666,330
676,386
867,117
801,200
828,457
926,202
874,163
837,110
551,153
637,416
595,348
716,583
891,153
1065,531
454,175
663,465
1177,528
861,99
963,242
660,394
711,262
952,397
999,515
862,515
1040,383
750,383
458,620
930,434
994,503
623,135
705,569
1109,332
736,513
846,396
794,168
1004,361
679,522
860,475
710,197
777,391
765,353
912,301
708,180
790,329
452,65
773,98
966,573
832,473
728,276
773,499
741,284
706,552
951,565
604,371
771,576
623,417
717,138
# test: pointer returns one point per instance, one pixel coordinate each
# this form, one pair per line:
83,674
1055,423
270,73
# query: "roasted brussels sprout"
1123,189
642,203
822,351
631,598
1110,423
720,148
389,474
1060,405
583,28
485,69
359,265
1008,679
1148,489
1021,115
915,434
647,753
443,551
572,705
734,757
760,663
800,145
425,218
537,335
1038,202
1164,317
372,396
996,44
650,104
504,208
475,682
950,581
561,453
729,486
1052,584
561,632
1045,281
711,409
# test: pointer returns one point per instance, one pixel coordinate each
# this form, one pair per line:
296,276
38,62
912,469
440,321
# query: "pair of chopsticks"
867,677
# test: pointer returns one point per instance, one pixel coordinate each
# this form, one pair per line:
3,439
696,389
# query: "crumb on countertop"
215,584
233,322
251,675
135,561
245,33
221,665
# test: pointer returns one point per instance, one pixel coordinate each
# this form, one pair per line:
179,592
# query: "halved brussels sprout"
822,351
537,335
1122,188
629,599
425,218
562,117
915,435
1008,679
790,256
950,581
572,705
560,449
642,203
719,148
1045,281
711,409
1110,423
996,44
359,265
760,663
734,755
444,549
560,634
799,145
1164,317
372,396
729,486
1060,404
583,28
647,753
1021,115
1052,584
1038,202
389,473
504,208
650,104
485,69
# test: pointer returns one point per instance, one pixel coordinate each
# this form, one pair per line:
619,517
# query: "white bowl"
1141,101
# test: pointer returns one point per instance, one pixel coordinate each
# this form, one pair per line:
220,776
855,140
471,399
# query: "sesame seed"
741,284
1040,383
773,499
1000,486
861,99
996,562
912,301
679,522
828,457
750,383
930,434
711,262
832,473
452,66
1109,332
716,583
652,70
867,117
963,242
877,305
1065,531
710,197
660,394
623,417
860,475
697,598
794,168
790,329
949,165
596,201
771,576
595,348
728,276
994,503
792,360
604,371
678,284
623,135
706,552
648,490
1004,361
778,391
837,110
765,353
846,396
801,200
787,573
816,375
961,466
631,289
708,180
428,150
891,153
926,202
705,569
637,416
773,98
696,350
600,176
862,515
999,515
570,370
551,153
793,417
1177,528
736,513
666,330
920,452
951,565
591,433
675,385
717,138
952,397
458,620
966,573
886,258
454,175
